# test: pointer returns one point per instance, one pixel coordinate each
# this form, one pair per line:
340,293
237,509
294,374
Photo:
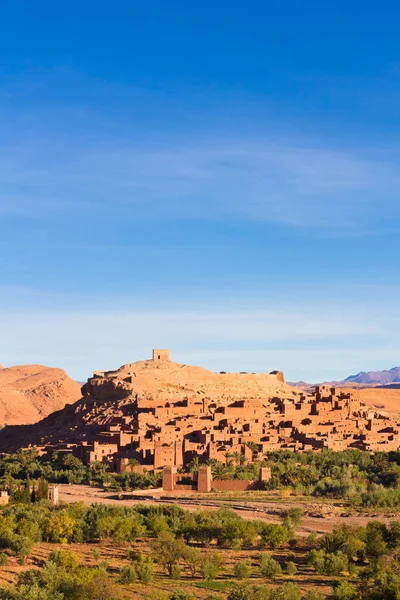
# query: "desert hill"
165,380
30,392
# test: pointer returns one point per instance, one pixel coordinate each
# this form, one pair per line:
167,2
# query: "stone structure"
203,481
4,497
161,355
53,494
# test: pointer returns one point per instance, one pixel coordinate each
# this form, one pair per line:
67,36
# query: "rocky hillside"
30,392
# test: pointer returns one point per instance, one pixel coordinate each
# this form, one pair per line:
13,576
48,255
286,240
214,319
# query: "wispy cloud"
199,175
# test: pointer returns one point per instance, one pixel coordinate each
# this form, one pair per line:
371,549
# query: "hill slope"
30,392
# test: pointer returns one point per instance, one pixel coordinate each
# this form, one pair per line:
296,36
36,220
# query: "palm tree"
237,456
194,465
218,470
228,458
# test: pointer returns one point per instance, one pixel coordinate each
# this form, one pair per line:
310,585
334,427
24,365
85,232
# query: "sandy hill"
167,379
30,392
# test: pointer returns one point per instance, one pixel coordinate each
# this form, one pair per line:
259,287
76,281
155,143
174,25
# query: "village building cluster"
150,432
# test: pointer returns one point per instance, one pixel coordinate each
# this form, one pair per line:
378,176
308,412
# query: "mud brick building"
158,413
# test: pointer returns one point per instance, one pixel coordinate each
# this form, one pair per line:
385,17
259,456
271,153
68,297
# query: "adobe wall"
232,485
205,482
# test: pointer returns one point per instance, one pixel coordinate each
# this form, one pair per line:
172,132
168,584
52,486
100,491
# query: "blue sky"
220,179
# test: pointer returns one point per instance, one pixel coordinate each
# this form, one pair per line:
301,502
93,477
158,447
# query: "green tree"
168,550
211,566
42,490
192,558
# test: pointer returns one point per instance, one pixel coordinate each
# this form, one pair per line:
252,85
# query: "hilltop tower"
161,355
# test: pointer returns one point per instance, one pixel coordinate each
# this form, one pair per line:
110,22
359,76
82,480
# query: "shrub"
352,569
291,557
127,575
313,595
175,572
66,559
144,569
274,535
292,517
181,595
101,587
332,564
291,568
343,590
241,570
3,559
288,591
269,567
241,592
312,539
158,595
103,566
96,554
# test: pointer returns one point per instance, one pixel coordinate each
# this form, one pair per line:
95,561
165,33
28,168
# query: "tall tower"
53,494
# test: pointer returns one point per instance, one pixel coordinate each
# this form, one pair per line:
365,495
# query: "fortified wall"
203,481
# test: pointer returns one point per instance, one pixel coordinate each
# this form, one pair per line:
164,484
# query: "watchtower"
4,497
53,494
169,475
204,479
161,355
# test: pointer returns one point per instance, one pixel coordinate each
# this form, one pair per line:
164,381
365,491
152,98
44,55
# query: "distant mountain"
301,384
375,377
390,378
